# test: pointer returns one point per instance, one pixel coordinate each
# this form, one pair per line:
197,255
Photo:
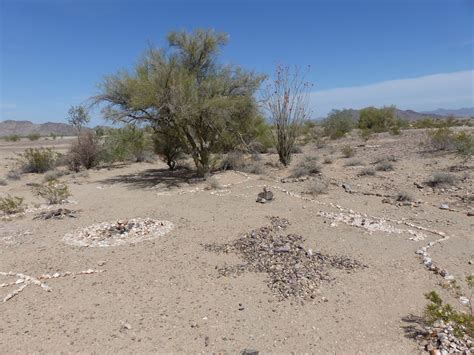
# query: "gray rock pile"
292,269
440,339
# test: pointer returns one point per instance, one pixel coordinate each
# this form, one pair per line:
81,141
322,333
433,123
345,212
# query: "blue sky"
416,54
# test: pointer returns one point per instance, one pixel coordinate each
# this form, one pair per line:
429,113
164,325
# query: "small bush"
85,151
253,167
128,143
464,144
52,175
38,160
297,150
272,150
403,196
213,184
327,160
354,162
232,161
441,139
33,136
367,172
14,174
53,192
317,187
347,151
12,138
308,166
442,178
3,182
384,165
11,204
436,310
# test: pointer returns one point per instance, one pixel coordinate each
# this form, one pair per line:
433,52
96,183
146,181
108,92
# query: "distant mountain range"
462,112
24,128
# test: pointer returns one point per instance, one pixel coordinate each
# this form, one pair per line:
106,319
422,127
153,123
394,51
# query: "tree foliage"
78,116
377,120
338,123
183,89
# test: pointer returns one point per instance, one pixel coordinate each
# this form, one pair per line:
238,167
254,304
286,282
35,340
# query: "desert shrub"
52,175
437,310
53,192
316,187
384,165
253,167
377,120
213,184
128,143
53,136
296,149
402,196
347,151
3,182
367,172
272,150
464,144
354,162
233,160
327,160
12,138
308,166
11,204
441,178
441,139
14,174
37,160
338,123
33,136
168,148
85,151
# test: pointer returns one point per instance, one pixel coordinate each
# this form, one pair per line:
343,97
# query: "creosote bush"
52,175
38,160
128,143
53,192
33,136
12,138
11,204
347,151
338,123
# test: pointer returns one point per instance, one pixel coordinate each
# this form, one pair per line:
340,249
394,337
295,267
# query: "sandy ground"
165,295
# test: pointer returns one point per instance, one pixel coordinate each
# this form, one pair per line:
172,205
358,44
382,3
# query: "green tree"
377,120
338,123
78,116
184,89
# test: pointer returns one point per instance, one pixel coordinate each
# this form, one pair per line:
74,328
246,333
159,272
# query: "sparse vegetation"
52,175
12,138
317,187
78,117
53,192
441,178
327,160
347,151
384,165
338,123
464,144
14,174
403,196
308,166
11,204
354,162
3,182
33,136
213,184
85,152
369,171
128,143
38,160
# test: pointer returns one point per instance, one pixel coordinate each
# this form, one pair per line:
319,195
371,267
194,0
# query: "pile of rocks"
122,232
293,270
59,213
440,339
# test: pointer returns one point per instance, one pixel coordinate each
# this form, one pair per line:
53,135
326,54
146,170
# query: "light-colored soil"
165,294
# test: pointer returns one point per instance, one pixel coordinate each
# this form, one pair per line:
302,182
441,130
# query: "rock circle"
122,232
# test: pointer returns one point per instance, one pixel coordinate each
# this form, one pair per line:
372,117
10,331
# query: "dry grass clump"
52,175
384,165
11,204
354,162
3,182
403,196
327,160
317,187
441,178
347,151
367,172
308,166
53,192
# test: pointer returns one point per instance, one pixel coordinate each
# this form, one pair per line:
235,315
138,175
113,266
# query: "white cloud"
447,90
